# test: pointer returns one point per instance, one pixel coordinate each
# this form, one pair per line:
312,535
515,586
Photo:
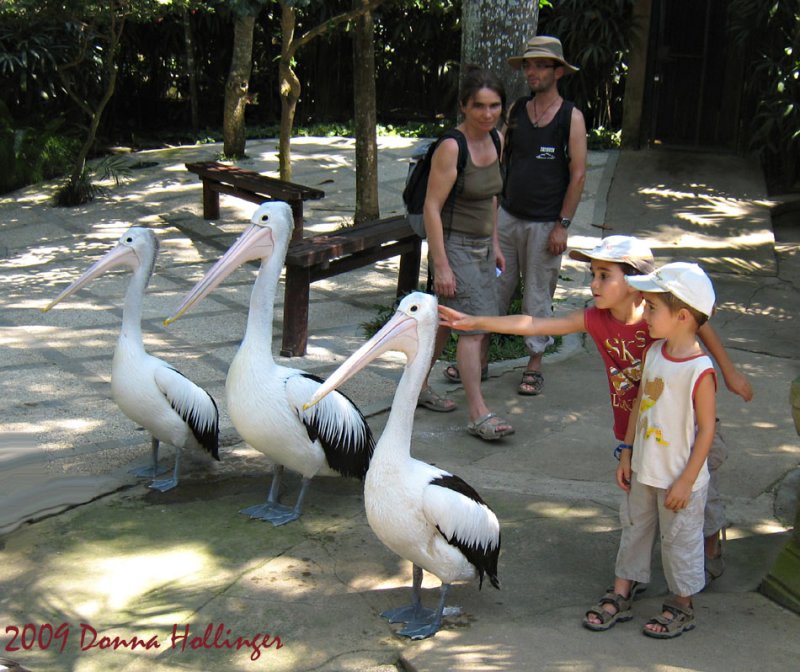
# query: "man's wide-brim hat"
543,46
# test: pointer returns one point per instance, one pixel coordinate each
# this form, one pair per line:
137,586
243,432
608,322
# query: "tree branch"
368,6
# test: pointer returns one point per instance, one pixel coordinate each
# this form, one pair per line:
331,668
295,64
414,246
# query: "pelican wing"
196,406
465,521
336,423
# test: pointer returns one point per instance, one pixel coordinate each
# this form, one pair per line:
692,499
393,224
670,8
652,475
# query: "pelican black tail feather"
345,436
202,421
484,555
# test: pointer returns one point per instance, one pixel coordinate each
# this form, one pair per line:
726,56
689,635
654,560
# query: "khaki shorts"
473,263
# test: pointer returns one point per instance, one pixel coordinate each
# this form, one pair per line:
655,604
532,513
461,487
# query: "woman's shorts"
472,261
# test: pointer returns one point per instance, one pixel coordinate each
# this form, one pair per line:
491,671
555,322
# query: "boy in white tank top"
665,474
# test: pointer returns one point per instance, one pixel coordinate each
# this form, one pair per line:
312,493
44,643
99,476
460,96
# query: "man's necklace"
538,117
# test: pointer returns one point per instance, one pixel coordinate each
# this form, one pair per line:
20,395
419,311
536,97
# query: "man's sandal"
532,383
609,620
680,620
435,402
488,426
452,374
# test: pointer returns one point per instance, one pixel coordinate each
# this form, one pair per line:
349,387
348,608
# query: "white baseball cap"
686,281
620,250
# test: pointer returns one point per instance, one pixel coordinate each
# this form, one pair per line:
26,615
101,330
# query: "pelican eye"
264,218
129,239
413,309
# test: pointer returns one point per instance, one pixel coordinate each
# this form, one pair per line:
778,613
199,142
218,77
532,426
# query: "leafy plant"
596,38
85,188
769,32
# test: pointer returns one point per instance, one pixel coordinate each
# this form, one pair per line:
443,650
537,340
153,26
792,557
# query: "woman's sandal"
609,620
532,383
452,374
435,402
681,620
488,426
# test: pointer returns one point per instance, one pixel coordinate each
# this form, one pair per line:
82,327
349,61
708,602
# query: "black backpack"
417,183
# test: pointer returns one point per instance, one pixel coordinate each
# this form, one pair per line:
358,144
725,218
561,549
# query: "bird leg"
168,483
415,612
152,471
427,627
273,512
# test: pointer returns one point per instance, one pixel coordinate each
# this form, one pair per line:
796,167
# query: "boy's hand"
677,496
739,384
454,319
624,472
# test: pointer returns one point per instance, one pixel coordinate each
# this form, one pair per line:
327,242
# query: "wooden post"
295,312
210,201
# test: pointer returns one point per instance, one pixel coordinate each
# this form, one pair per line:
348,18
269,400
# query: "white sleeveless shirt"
666,425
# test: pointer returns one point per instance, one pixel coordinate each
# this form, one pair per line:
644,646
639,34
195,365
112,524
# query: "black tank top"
537,171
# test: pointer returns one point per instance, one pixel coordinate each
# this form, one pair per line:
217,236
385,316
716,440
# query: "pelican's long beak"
120,255
256,242
398,334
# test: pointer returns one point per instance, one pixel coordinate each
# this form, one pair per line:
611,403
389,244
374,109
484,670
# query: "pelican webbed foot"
272,512
153,469
164,484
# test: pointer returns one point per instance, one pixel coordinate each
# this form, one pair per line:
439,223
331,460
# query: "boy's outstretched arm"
520,325
735,380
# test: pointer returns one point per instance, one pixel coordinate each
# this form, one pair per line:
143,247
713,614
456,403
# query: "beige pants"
715,518
642,514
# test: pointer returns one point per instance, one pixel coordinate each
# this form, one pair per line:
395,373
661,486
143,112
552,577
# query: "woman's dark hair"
477,78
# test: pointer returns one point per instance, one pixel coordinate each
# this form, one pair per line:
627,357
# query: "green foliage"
768,32
30,155
596,38
603,138
85,188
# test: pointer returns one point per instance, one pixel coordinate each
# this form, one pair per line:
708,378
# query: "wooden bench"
323,256
248,185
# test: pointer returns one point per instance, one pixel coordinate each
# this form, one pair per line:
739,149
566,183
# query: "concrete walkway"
129,562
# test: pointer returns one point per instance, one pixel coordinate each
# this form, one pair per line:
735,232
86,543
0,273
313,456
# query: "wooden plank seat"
219,178
326,255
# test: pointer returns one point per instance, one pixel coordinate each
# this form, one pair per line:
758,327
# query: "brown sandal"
607,619
680,620
435,402
532,383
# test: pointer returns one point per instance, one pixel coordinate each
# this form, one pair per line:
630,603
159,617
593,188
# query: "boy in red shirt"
616,324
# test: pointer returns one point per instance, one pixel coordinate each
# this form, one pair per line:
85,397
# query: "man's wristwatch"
565,222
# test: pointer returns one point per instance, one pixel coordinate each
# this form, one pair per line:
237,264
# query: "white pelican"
146,389
265,400
421,512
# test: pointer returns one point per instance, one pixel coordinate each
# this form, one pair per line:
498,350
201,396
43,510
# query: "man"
545,161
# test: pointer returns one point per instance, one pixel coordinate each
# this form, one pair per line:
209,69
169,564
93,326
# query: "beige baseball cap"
620,250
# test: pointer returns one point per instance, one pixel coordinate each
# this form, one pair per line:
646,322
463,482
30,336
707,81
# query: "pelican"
146,389
422,513
265,400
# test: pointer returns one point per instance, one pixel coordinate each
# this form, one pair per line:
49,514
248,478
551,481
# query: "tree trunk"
96,114
367,204
237,87
191,69
635,81
289,89
494,30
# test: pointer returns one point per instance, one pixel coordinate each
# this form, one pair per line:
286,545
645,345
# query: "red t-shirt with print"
621,346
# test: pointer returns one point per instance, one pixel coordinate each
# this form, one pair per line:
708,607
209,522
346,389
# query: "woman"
463,251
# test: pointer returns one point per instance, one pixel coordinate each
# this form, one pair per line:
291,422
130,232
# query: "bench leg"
408,277
210,202
295,312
